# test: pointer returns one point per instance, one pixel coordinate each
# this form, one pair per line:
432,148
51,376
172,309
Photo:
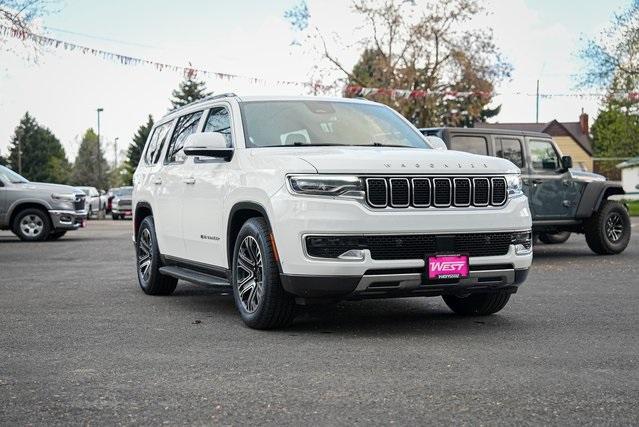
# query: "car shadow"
368,318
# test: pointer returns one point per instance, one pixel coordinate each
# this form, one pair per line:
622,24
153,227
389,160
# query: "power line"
89,36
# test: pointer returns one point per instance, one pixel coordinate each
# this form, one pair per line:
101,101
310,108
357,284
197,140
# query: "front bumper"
124,210
402,283
294,217
67,219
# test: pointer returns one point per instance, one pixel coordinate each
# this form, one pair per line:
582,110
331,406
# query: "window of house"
470,144
219,121
543,156
185,126
156,143
510,149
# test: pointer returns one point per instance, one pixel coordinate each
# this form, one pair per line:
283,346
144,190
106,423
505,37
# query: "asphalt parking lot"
80,343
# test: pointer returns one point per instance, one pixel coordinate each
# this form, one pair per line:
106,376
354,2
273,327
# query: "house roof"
629,163
553,128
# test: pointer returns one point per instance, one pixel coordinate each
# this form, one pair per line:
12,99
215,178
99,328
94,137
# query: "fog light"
353,255
522,242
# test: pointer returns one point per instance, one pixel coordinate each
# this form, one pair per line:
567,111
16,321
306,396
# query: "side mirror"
436,142
209,144
566,162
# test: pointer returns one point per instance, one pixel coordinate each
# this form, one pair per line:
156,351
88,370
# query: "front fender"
594,194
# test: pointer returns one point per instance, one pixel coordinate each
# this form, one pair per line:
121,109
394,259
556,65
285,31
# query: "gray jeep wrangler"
562,200
36,211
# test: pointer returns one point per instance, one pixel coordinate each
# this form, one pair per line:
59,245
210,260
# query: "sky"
63,89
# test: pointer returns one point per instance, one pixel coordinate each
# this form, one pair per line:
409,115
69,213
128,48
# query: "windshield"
300,123
12,177
125,191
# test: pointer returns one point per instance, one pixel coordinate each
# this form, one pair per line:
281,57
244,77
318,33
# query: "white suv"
291,201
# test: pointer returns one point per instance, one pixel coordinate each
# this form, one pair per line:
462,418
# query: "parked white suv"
291,201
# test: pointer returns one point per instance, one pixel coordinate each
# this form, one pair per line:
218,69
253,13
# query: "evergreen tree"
37,154
134,152
85,170
3,161
189,91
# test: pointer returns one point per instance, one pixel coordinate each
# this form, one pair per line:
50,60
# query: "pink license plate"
448,267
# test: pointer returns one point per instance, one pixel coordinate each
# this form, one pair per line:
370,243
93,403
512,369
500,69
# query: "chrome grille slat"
436,191
399,192
462,190
421,192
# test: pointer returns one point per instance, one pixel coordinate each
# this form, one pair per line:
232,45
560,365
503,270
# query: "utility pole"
97,154
19,157
537,109
115,152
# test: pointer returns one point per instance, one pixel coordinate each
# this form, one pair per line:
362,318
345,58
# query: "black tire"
55,235
599,236
148,261
477,304
32,225
115,217
554,238
267,305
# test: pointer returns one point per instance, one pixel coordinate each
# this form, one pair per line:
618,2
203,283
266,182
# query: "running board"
195,277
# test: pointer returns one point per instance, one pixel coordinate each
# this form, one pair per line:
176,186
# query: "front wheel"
608,230
150,279
554,238
32,225
477,304
257,290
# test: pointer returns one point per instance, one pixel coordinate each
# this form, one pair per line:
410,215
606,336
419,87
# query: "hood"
53,188
390,160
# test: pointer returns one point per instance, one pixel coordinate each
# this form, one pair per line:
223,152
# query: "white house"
630,177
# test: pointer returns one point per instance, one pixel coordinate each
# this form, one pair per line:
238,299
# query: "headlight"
63,197
514,185
327,185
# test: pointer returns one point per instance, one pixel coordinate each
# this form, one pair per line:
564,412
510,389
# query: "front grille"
124,203
439,192
79,202
412,246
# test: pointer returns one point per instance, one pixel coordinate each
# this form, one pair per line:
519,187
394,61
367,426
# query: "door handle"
157,181
189,181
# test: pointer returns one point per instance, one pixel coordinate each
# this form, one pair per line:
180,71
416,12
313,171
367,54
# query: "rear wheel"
32,225
477,304
257,290
150,279
608,230
554,238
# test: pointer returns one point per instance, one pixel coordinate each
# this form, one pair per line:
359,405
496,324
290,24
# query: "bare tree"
430,46
612,59
17,20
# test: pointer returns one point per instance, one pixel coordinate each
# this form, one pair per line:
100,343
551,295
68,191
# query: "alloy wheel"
250,284
614,227
145,255
31,225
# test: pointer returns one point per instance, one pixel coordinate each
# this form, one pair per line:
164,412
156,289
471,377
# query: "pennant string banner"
188,72
349,90
359,91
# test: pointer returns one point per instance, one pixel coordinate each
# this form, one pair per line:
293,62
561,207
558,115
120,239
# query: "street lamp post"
97,154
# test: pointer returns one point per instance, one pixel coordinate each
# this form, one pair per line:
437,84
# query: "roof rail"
206,98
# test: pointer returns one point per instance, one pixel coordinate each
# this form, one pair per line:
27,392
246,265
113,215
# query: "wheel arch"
238,215
594,194
142,210
20,206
